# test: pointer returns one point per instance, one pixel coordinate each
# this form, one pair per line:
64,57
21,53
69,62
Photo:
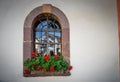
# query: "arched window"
46,33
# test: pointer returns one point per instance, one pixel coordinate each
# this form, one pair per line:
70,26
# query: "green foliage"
58,63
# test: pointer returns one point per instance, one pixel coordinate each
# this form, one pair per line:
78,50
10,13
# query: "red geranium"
39,68
46,58
33,64
70,68
26,71
34,54
51,68
56,56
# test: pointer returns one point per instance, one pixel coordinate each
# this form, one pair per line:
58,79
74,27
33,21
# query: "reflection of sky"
39,34
57,34
39,26
51,24
43,25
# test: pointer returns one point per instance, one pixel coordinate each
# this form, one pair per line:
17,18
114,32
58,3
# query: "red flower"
33,64
46,58
26,71
56,56
70,68
34,54
52,68
39,68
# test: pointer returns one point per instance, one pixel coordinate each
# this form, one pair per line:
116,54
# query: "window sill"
40,73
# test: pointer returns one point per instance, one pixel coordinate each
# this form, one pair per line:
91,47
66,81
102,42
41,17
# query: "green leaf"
61,57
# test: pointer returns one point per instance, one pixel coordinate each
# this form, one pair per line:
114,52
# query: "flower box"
41,73
46,66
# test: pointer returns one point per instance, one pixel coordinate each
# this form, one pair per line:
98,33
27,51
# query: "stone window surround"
118,12
28,39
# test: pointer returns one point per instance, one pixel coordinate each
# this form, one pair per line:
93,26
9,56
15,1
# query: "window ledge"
40,73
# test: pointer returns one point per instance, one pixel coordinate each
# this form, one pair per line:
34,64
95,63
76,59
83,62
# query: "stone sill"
40,73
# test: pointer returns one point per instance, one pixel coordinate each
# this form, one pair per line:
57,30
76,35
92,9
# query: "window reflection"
48,36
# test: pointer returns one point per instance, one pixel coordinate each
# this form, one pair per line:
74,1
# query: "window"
47,35
46,32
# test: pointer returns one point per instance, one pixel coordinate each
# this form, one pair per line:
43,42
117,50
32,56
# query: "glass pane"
50,37
57,26
37,36
51,49
44,24
57,49
43,37
37,48
41,49
57,37
50,26
39,26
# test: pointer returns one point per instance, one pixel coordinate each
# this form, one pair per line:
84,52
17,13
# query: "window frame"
47,30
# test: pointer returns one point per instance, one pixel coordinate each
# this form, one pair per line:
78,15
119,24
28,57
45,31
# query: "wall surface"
93,40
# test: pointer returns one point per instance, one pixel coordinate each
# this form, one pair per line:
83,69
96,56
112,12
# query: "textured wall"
93,37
